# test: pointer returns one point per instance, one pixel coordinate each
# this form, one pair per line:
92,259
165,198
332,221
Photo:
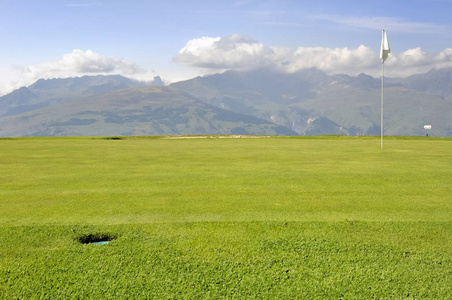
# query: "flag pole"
384,51
382,97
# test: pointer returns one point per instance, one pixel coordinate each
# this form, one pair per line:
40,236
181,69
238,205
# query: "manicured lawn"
196,218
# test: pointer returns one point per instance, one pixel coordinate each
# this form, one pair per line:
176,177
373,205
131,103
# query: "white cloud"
81,63
415,61
9,79
76,63
209,55
238,52
339,60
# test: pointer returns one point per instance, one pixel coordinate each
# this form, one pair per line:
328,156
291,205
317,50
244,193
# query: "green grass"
199,218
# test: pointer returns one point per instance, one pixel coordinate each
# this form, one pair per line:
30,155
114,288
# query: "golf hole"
96,238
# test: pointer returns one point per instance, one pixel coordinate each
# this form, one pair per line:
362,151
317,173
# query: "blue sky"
181,39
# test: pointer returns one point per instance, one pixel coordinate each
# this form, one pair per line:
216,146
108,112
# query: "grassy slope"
200,218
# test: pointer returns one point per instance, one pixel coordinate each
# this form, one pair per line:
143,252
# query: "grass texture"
223,217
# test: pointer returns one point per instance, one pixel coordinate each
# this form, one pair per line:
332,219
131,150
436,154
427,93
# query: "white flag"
384,51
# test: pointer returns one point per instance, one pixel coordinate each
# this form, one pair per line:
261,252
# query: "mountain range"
258,102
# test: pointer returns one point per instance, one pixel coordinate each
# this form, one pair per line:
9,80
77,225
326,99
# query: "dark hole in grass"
95,238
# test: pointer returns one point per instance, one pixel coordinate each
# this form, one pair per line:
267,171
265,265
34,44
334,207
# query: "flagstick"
384,51
382,84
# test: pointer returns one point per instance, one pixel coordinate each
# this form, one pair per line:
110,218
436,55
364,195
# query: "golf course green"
226,217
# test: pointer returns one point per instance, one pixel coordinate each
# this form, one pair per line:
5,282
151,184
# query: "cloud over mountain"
415,61
333,61
235,52
76,63
239,52
80,62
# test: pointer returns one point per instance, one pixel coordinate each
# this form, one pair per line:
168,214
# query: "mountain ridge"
261,102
